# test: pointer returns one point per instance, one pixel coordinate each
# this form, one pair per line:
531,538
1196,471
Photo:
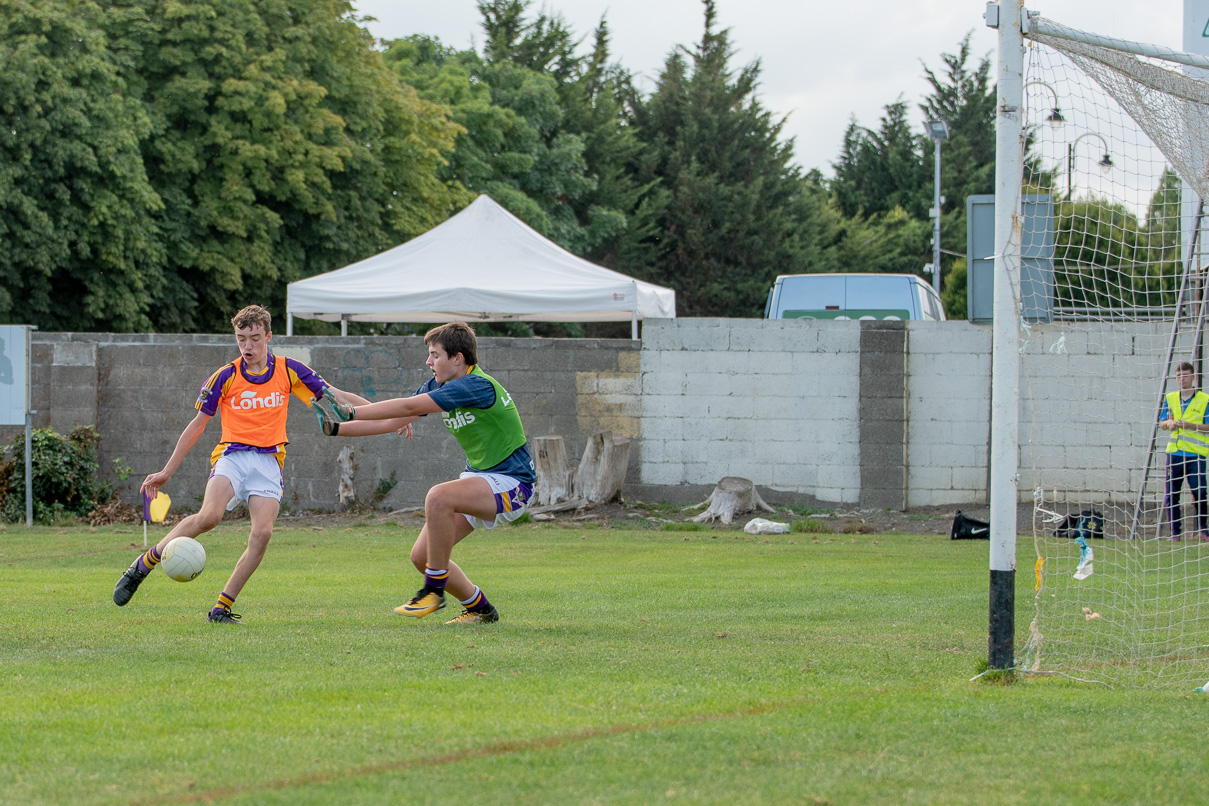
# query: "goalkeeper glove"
325,424
343,411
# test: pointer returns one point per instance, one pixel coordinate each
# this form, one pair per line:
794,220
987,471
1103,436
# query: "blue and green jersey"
483,419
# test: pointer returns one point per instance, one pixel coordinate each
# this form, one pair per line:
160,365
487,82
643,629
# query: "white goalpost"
1113,137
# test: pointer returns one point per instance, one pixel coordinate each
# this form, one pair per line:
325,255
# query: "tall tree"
281,146
884,179
1095,245
884,169
727,214
964,98
546,133
79,245
596,107
512,145
1156,282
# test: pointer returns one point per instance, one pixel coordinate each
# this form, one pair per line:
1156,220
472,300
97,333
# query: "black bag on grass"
1089,521
967,528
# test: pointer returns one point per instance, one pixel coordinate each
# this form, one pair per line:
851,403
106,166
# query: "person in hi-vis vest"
1183,414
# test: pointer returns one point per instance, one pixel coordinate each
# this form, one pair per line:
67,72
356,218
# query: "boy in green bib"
496,484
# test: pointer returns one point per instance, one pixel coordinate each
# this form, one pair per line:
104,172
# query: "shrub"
811,526
65,475
384,487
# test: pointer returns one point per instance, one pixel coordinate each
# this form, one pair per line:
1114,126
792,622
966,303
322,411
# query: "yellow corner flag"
157,508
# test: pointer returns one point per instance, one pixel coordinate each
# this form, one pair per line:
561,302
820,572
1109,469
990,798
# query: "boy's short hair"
1185,366
251,316
454,338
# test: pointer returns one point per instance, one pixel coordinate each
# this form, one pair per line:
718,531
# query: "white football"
184,558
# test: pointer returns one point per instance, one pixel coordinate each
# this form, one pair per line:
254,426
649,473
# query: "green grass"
630,666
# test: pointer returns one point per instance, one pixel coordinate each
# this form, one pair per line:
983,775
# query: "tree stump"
731,495
553,471
602,469
347,490
597,480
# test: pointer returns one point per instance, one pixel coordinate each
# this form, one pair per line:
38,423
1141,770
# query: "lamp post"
1054,119
1105,163
938,130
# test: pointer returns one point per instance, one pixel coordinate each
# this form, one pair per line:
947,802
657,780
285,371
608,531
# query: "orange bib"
255,413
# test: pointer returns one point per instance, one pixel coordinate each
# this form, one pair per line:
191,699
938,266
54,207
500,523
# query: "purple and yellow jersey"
255,407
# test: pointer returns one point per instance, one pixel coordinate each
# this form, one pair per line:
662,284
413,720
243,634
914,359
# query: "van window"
930,303
852,296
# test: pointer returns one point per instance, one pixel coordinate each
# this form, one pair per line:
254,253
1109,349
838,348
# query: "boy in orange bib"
253,394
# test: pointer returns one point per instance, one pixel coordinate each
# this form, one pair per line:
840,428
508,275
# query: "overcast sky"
823,63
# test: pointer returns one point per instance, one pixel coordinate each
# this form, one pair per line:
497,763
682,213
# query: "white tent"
484,265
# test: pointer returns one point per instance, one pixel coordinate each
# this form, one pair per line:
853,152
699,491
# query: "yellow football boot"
427,600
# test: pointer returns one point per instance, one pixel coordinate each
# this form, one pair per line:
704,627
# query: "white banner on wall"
14,374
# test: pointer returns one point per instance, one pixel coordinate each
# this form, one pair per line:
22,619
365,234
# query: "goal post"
1115,135
1005,362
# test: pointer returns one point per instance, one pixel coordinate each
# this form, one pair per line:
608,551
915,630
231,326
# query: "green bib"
488,436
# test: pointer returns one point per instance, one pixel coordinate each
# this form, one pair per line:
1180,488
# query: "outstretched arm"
347,398
396,408
184,444
367,428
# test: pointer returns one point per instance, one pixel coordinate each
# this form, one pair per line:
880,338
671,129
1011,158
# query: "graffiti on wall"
374,373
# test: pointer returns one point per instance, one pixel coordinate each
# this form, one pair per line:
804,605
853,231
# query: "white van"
853,296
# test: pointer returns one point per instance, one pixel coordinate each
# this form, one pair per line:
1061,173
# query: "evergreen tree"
545,130
883,170
726,216
879,187
884,179
1094,253
964,98
595,106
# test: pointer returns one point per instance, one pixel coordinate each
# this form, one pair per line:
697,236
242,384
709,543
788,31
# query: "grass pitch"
628,667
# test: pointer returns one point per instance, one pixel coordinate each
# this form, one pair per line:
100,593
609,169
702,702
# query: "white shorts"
250,473
512,497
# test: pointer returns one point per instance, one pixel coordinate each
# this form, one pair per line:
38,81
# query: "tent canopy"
485,265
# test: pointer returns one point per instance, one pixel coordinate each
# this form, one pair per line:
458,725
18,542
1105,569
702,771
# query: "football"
184,558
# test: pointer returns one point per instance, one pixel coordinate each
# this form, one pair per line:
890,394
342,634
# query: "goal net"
1116,143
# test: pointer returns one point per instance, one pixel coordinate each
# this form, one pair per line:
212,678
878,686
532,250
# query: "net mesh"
1109,137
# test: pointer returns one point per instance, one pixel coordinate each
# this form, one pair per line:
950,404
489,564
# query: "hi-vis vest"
1181,439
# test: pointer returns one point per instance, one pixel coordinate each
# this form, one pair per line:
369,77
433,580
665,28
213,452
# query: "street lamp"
938,131
1054,119
1105,163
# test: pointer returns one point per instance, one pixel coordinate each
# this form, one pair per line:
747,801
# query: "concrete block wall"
878,415
828,397
1090,393
884,416
777,402
949,410
139,391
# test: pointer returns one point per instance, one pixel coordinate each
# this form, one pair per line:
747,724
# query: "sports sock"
149,560
477,601
436,578
224,602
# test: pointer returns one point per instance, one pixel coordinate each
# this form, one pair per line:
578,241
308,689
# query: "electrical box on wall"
1036,258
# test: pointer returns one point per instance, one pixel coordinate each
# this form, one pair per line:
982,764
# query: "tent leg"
343,327
289,324
634,326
